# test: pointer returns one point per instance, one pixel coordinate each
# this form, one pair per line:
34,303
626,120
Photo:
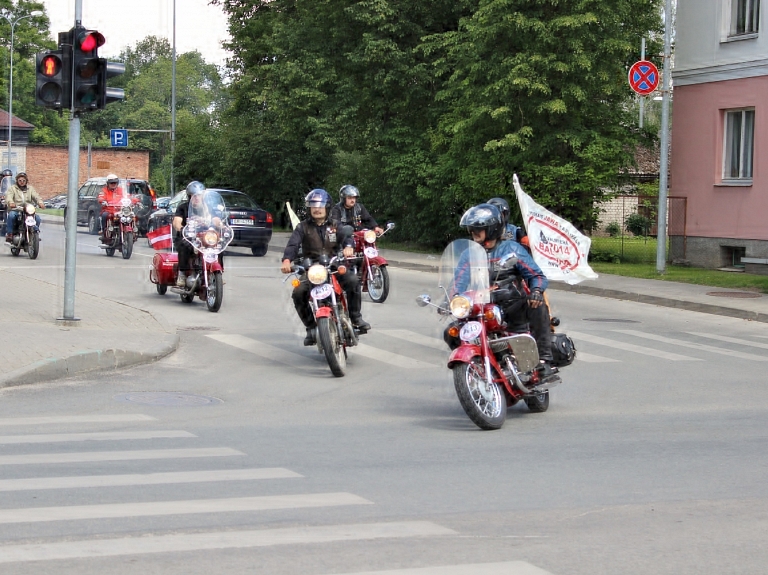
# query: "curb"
85,362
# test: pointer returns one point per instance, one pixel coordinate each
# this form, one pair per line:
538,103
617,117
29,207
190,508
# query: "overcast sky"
124,22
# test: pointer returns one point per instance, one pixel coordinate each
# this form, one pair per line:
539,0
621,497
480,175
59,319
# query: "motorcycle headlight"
370,236
125,211
30,209
210,238
317,274
461,306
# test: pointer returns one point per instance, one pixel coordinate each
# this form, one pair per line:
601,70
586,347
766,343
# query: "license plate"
470,330
322,292
371,252
30,221
243,222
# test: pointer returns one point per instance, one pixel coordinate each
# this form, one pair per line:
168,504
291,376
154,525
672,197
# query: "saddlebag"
563,350
164,268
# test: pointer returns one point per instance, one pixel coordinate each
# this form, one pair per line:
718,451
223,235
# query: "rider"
18,194
316,236
511,231
109,198
349,212
485,224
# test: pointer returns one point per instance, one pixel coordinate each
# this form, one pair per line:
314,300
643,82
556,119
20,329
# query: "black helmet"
194,187
484,217
318,198
503,206
348,191
6,172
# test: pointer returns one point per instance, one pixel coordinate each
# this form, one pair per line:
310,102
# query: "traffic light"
53,79
86,69
107,94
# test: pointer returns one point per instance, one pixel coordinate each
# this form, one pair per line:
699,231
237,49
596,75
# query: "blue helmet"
194,187
318,198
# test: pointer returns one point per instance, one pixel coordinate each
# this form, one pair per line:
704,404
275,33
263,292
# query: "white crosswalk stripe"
508,568
698,346
730,339
576,335
96,436
59,419
93,456
392,358
261,349
589,358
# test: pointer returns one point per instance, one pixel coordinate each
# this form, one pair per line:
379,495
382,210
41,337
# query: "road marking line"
414,337
97,436
508,568
699,346
186,507
174,477
589,358
730,339
261,349
91,456
46,420
630,347
391,358
217,540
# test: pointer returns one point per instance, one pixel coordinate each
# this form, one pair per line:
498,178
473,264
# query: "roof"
18,123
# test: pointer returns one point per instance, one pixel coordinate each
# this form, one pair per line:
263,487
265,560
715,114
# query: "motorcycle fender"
377,261
324,311
214,267
463,354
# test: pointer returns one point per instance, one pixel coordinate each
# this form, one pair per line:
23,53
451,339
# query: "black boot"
359,323
310,339
546,369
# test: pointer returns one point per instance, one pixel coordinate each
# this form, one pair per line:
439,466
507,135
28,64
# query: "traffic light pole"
70,224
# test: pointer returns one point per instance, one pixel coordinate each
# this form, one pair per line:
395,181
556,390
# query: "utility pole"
661,236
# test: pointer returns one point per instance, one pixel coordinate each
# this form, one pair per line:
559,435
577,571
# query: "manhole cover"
734,294
168,399
610,320
197,328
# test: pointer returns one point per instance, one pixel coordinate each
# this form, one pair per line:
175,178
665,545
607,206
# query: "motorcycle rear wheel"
378,284
127,248
485,405
33,249
161,289
334,351
538,403
215,292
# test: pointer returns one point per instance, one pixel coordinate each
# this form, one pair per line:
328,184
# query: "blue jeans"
13,216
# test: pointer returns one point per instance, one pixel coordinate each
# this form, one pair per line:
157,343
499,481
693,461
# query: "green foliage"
637,224
613,229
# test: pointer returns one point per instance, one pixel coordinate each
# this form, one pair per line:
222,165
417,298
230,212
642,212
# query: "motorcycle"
26,235
142,209
334,332
493,368
120,230
372,270
208,233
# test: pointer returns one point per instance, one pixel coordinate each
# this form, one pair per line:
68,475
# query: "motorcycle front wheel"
484,404
334,351
378,284
33,249
127,248
215,292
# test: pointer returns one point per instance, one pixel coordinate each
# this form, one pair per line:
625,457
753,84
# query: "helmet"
318,198
22,175
5,173
484,217
112,179
348,191
194,187
503,206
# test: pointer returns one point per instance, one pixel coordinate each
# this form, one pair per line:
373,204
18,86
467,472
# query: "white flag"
558,248
292,215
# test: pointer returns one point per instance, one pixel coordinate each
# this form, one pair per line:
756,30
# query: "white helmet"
112,178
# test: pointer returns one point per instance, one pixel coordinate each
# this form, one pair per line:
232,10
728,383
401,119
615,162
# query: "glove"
536,298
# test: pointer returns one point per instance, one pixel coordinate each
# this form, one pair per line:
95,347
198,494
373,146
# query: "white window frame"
752,19
746,143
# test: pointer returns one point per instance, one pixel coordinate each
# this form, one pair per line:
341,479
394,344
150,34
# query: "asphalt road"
651,458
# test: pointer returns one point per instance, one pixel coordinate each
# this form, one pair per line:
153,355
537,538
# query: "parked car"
251,224
88,207
56,202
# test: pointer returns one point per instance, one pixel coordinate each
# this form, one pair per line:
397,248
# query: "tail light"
269,218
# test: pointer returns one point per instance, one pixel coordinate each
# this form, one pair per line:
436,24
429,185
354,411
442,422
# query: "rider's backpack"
563,350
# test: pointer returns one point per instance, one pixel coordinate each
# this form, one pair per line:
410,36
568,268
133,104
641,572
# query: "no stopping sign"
643,77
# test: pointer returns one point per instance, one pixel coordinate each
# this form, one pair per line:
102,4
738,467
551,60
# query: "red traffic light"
50,66
89,40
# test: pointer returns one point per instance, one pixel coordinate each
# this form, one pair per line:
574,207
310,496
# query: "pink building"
719,156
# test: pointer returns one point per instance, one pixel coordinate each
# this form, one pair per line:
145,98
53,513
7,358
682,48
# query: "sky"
124,22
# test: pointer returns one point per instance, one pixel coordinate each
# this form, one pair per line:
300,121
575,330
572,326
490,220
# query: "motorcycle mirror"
423,300
323,260
508,262
390,225
307,263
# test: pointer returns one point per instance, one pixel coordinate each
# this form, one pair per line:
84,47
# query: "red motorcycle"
120,230
328,301
208,233
372,269
492,367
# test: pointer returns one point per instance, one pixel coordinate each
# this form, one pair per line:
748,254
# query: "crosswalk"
78,507
424,351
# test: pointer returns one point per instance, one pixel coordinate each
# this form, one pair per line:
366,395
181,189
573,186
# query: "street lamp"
9,16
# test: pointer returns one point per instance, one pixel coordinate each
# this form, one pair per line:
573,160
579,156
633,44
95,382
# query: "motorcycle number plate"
470,330
371,252
30,221
210,257
322,292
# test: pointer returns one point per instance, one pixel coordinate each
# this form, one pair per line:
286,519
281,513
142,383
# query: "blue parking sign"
118,138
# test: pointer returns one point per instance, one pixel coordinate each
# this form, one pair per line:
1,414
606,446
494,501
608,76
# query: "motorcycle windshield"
464,268
206,228
5,184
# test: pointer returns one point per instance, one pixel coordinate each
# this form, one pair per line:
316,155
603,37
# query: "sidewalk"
39,348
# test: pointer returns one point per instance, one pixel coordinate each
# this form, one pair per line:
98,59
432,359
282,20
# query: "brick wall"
47,166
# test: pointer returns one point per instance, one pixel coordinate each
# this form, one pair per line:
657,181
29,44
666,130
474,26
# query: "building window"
739,144
745,17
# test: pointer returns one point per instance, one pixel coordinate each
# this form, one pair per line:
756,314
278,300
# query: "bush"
637,224
613,229
604,256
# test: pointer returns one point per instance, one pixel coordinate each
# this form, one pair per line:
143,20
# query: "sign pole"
661,236
642,98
